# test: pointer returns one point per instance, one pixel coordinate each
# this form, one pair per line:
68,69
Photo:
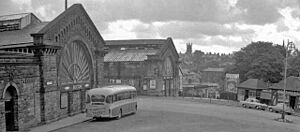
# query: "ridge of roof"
13,16
136,41
253,84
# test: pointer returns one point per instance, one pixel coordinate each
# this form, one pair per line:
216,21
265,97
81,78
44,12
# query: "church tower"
188,48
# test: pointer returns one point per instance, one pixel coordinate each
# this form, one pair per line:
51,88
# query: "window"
133,94
88,99
119,96
114,98
98,98
109,99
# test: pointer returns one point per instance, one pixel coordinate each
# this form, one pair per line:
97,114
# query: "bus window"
126,95
88,99
98,98
132,94
114,98
109,99
120,96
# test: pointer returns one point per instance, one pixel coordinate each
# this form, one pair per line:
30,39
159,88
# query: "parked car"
253,103
279,108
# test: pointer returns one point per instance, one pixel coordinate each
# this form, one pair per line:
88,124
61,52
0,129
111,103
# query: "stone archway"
10,96
168,77
76,74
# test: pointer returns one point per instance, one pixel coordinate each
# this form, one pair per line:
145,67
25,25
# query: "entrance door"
11,109
246,94
292,101
167,87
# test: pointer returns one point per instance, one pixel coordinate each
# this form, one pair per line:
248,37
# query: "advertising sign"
152,84
231,82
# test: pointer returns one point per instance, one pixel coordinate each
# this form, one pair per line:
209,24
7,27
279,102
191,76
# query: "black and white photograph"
149,66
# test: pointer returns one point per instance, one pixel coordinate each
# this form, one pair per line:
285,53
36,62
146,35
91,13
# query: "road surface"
175,115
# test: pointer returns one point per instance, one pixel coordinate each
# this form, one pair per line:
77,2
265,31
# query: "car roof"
112,89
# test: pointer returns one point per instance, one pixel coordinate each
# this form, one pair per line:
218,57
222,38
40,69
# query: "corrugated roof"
292,84
253,84
214,69
137,42
13,16
20,36
129,55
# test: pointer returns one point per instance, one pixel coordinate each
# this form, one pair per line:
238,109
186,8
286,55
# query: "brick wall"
2,117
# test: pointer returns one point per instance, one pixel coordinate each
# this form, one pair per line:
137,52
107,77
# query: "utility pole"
66,4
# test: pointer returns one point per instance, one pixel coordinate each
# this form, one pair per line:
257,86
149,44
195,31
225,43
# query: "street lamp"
291,46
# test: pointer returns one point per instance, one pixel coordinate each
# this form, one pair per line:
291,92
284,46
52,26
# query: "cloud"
259,12
163,10
281,27
9,7
200,29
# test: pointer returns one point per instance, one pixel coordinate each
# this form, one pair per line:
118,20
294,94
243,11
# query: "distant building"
214,78
292,93
251,88
150,65
189,49
46,67
190,77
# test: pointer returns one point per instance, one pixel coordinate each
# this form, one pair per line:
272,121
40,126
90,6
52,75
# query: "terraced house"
46,67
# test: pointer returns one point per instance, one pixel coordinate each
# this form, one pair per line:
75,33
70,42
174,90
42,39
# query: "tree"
294,65
260,60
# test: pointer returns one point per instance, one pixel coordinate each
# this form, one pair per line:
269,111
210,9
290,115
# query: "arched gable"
74,20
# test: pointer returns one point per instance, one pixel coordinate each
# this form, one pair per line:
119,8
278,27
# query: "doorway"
246,94
292,101
167,84
11,109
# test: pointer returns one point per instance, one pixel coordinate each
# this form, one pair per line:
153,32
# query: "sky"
217,26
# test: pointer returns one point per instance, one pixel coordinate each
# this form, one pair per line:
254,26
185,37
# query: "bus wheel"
135,109
120,114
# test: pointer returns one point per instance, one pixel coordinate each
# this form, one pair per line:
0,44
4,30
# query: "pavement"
65,122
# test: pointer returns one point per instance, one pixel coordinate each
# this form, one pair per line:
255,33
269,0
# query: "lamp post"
291,46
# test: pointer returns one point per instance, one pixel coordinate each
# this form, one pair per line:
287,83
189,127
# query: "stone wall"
2,117
25,79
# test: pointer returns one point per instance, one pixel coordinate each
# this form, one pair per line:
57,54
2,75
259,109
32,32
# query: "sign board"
118,81
75,87
232,81
152,84
64,100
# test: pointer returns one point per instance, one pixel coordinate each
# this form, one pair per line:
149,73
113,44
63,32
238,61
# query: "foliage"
261,60
200,60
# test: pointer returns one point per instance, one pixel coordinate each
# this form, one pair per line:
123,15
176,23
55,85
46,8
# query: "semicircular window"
75,64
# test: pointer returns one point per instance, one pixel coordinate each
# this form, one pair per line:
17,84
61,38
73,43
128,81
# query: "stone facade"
152,66
46,80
